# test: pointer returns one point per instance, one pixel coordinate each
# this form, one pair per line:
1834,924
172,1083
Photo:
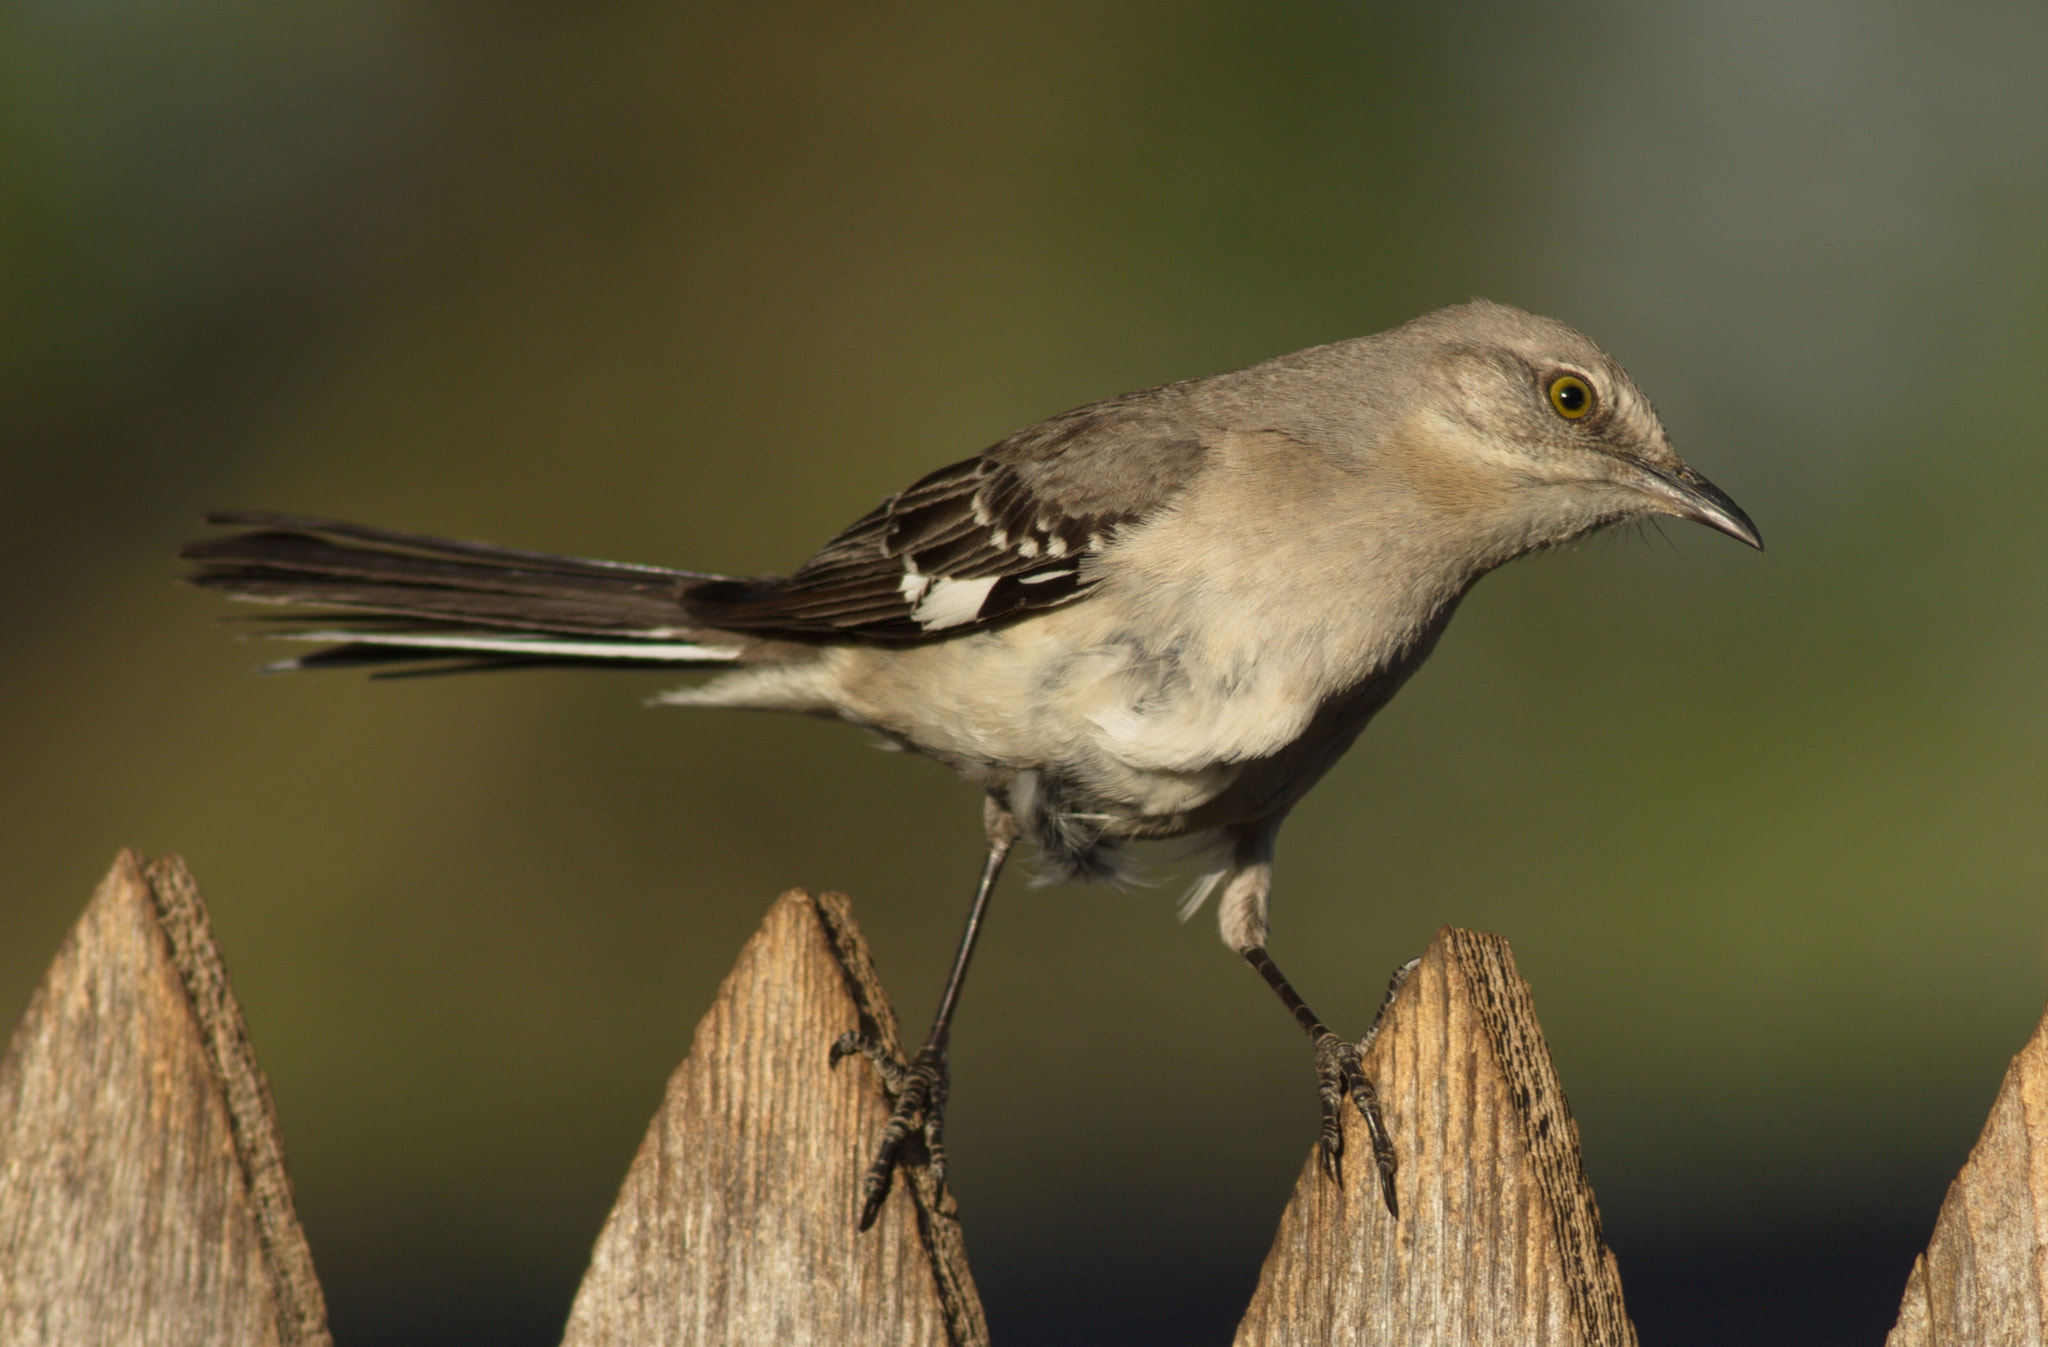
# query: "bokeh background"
697,284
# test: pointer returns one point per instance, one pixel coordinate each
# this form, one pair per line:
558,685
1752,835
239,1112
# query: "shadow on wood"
143,1196
736,1223
1984,1277
1499,1239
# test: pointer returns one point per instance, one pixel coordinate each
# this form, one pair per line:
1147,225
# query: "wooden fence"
144,1200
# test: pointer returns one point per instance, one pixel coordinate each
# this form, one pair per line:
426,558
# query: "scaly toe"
1339,1072
919,1095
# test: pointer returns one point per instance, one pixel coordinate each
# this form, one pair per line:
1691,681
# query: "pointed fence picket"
143,1196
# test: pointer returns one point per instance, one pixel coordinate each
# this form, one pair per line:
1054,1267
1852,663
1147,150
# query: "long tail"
443,606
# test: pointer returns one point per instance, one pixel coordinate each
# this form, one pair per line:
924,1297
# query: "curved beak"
1691,496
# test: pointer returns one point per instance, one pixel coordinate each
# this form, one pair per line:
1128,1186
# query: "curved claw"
1340,1073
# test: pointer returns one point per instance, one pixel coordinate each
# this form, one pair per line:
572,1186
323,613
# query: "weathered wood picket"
143,1196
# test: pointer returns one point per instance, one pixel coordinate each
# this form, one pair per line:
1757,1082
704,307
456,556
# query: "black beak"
1693,497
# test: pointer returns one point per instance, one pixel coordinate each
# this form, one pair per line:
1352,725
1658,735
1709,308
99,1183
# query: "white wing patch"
912,586
948,602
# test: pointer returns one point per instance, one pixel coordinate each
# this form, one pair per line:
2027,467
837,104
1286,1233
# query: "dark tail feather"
405,598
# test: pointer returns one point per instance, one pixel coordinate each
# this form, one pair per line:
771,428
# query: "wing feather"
992,537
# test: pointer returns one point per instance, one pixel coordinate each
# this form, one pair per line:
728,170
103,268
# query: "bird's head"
1508,425
1550,427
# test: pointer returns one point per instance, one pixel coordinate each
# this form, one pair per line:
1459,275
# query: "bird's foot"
1338,1074
919,1091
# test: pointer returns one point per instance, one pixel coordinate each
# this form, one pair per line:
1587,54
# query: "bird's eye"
1570,396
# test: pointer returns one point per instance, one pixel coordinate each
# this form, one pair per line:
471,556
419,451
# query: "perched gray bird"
1163,615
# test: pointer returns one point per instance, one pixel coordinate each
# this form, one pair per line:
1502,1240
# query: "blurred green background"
696,285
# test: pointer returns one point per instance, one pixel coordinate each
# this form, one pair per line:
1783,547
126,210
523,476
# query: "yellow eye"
1570,396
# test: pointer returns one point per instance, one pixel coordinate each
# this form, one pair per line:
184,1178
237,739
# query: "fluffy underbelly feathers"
1137,737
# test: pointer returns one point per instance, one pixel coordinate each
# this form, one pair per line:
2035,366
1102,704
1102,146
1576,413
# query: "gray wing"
1001,534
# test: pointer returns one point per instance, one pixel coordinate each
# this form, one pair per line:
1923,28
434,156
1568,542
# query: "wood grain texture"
1983,1281
1499,1239
736,1221
143,1196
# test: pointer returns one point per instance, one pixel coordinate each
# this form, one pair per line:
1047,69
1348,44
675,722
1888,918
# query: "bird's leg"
1338,1073
919,1089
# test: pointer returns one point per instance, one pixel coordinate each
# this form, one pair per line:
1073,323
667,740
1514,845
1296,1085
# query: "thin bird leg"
1338,1073
920,1088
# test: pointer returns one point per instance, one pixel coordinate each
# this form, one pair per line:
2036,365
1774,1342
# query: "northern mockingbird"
1162,615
